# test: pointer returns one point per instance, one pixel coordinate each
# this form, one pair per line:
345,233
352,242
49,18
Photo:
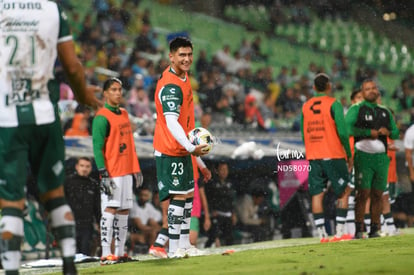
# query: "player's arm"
100,130
337,112
204,204
73,68
178,132
409,148
171,99
204,170
409,160
395,132
350,120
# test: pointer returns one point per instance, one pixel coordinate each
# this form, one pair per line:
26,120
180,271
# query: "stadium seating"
293,44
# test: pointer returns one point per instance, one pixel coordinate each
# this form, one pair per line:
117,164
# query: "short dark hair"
180,42
110,81
366,80
321,82
85,159
355,92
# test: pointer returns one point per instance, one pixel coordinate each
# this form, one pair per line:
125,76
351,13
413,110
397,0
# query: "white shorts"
122,197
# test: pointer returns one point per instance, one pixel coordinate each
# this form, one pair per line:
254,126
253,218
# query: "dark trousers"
222,228
259,233
84,238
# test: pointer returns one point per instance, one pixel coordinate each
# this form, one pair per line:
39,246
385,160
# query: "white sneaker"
193,251
179,253
395,232
383,233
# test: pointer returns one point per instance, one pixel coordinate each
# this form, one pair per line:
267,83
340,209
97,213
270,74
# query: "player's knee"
60,212
11,223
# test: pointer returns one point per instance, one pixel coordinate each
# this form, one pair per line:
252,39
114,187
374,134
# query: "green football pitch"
387,255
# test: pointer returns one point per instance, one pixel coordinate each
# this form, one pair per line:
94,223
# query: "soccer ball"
199,136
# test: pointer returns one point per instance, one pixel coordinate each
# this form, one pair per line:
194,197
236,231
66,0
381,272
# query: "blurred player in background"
327,149
118,165
30,129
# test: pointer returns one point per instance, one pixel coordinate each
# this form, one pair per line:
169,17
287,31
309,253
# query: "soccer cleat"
125,258
395,232
359,235
193,251
179,253
324,240
347,237
110,259
158,252
383,233
344,237
374,234
335,239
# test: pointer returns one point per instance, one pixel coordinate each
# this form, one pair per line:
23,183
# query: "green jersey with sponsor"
28,92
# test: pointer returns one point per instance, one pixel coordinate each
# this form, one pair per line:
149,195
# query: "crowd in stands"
120,40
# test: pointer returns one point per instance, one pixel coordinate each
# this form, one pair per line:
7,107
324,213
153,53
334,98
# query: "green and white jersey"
29,33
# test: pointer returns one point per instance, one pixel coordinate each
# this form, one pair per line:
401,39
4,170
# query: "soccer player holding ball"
173,150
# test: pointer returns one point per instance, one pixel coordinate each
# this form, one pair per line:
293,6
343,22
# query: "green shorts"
174,175
195,224
371,170
42,147
334,170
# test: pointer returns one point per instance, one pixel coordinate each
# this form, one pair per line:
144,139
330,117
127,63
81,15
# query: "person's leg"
47,156
350,216
367,215
120,232
376,209
319,216
83,240
317,186
360,203
162,237
386,212
363,180
341,213
121,217
157,249
226,225
213,232
13,175
12,233
379,185
62,223
152,234
194,229
175,219
338,174
107,225
185,226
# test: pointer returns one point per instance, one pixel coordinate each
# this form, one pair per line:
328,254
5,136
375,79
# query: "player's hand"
107,185
207,224
374,134
383,132
139,179
392,147
91,99
199,150
206,174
